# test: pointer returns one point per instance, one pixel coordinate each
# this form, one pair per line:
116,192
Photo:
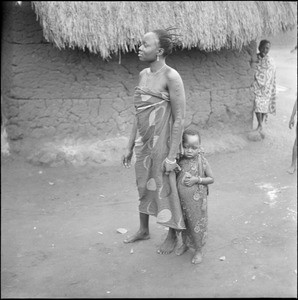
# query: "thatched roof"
107,27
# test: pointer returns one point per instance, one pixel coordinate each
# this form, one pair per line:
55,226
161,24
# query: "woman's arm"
133,134
126,158
177,98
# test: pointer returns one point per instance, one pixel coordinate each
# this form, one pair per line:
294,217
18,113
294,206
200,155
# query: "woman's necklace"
153,74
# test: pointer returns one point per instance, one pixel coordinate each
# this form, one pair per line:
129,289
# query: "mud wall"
50,92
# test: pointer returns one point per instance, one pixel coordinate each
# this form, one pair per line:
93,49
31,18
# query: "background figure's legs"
292,169
260,120
169,243
264,117
143,232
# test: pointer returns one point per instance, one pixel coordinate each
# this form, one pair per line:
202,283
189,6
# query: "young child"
192,184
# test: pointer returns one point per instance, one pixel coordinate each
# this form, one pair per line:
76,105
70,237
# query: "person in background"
264,85
156,136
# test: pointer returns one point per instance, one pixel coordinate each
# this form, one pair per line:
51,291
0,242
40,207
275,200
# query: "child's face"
191,146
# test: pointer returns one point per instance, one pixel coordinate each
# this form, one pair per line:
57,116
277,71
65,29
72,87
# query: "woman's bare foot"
292,170
198,257
169,243
181,249
140,235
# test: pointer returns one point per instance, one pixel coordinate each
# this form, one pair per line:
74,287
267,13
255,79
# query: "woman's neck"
155,66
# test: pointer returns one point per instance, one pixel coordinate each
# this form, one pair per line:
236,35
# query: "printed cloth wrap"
158,193
194,201
264,86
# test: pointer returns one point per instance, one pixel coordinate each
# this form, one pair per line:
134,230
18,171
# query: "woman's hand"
168,167
126,158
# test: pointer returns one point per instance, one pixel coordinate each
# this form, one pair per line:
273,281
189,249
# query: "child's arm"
209,175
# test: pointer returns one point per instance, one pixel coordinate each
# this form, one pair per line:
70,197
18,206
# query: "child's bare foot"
292,170
168,245
181,249
197,258
140,235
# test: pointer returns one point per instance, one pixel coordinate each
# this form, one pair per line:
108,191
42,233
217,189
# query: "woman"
264,85
156,138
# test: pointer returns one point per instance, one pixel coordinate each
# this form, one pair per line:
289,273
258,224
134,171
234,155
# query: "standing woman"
264,85
156,136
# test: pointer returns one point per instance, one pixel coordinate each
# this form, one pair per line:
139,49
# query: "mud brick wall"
50,92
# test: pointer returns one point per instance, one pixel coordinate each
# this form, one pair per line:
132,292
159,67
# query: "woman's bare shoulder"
173,76
172,73
143,71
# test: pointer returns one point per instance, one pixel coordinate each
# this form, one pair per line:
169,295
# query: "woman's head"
156,43
264,47
191,141
165,41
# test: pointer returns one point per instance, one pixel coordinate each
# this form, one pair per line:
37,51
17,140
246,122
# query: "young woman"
156,135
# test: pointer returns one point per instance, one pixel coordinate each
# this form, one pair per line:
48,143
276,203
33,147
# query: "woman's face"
149,48
264,50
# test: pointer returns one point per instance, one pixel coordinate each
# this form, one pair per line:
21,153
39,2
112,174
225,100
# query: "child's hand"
190,180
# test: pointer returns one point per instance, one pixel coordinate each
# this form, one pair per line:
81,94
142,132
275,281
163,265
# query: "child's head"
191,141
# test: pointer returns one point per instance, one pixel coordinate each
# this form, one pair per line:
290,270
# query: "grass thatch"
106,27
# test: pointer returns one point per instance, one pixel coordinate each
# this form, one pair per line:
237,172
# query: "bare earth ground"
59,238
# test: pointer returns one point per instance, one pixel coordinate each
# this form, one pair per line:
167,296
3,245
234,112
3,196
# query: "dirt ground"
59,238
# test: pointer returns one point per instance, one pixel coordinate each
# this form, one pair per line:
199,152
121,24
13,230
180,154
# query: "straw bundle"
107,27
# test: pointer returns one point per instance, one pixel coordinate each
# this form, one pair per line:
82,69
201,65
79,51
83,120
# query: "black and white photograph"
148,149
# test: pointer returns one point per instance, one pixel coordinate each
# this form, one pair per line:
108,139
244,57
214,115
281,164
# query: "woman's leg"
183,247
143,232
169,243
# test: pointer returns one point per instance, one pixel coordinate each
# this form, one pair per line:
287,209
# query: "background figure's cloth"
194,201
158,193
264,86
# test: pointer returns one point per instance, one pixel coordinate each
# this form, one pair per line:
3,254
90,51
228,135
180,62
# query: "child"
192,183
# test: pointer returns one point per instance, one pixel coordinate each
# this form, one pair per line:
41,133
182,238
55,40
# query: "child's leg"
198,257
180,250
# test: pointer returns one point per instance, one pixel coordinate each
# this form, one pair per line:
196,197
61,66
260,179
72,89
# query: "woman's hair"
167,40
190,132
263,43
